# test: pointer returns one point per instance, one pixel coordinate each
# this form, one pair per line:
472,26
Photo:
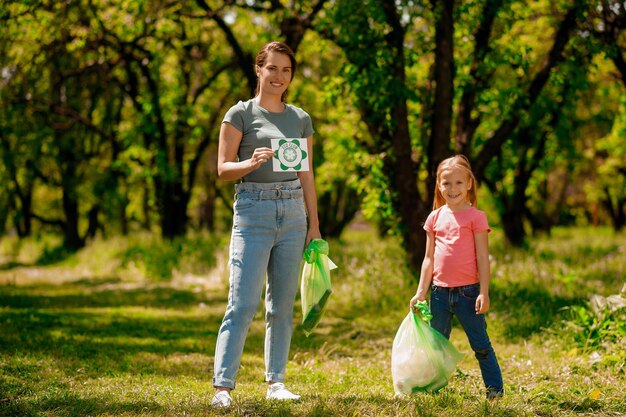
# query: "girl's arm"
228,167
307,179
482,258
426,275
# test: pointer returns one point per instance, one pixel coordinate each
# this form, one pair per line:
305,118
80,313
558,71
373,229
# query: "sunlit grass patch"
87,336
139,256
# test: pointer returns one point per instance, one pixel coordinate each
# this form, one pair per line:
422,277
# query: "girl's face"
275,75
454,183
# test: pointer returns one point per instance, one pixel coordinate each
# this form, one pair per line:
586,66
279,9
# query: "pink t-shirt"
455,252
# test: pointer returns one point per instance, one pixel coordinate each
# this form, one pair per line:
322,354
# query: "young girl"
457,264
275,216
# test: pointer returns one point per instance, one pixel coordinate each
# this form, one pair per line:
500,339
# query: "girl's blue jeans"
268,236
446,302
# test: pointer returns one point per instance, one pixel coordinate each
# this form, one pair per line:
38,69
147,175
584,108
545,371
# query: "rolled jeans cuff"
223,382
275,377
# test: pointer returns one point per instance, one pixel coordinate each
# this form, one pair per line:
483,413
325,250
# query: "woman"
269,224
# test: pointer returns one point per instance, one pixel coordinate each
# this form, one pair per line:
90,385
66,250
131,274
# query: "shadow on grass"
44,319
525,311
11,265
315,405
114,330
49,321
522,311
332,405
71,404
54,297
55,255
103,341
50,256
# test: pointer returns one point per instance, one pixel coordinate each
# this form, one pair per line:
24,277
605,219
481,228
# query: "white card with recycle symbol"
290,154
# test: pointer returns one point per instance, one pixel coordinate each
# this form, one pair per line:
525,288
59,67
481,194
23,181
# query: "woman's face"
275,75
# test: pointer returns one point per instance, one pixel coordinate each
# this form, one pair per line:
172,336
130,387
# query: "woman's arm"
307,179
228,167
426,274
481,241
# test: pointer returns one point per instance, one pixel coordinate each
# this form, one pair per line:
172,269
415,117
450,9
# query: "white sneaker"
221,400
277,391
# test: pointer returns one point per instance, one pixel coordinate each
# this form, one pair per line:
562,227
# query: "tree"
552,118
608,24
382,74
46,86
372,38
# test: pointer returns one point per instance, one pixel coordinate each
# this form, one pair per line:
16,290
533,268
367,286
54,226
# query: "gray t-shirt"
258,126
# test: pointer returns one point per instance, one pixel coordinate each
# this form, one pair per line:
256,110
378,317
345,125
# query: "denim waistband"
456,289
269,190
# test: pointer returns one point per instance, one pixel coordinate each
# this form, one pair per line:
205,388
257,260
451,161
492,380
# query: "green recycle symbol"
289,155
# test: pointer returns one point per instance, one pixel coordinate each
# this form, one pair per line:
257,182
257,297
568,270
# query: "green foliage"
158,259
141,256
115,109
554,272
54,255
607,184
599,325
120,107
369,270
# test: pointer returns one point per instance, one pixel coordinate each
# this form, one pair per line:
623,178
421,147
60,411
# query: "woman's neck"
270,103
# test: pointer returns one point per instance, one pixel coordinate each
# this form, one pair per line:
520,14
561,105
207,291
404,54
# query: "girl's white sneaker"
277,391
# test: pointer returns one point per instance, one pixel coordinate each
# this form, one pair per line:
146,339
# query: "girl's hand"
260,156
482,304
414,300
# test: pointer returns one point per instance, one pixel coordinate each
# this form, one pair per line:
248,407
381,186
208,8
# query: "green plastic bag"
422,359
315,285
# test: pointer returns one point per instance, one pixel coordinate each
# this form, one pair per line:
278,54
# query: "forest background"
110,112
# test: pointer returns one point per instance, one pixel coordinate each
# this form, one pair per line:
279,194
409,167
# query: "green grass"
94,334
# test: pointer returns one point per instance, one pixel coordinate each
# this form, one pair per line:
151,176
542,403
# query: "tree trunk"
123,213
513,225
401,167
340,204
207,210
94,223
172,204
24,216
620,220
616,211
24,223
441,122
68,164
146,224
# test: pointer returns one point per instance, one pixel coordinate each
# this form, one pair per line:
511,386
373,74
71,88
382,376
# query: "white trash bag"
422,359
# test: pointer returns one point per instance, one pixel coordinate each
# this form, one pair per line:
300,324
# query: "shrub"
158,259
598,325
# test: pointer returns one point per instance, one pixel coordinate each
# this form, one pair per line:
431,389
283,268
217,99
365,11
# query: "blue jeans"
461,301
268,236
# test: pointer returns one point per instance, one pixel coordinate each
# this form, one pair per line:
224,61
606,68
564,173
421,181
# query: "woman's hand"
313,233
260,156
